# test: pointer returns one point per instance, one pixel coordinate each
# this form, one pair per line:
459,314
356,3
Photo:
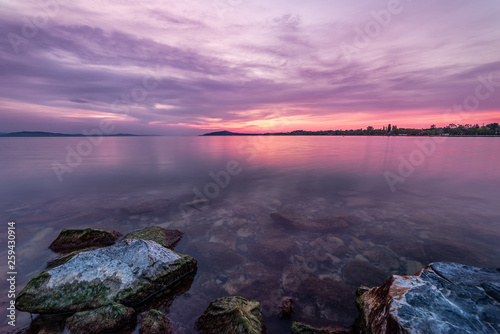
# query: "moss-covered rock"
232,315
166,238
73,239
155,322
126,273
300,328
110,317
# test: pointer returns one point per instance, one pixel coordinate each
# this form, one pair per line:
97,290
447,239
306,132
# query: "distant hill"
226,133
52,134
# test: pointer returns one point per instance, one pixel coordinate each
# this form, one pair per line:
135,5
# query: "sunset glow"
186,68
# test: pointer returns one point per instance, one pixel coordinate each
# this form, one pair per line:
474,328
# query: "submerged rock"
274,252
155,322
443,297
300,328
285,308
110,317
232,315
73,239
126,273
166,238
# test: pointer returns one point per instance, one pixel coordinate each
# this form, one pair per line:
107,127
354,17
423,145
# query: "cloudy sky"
188,67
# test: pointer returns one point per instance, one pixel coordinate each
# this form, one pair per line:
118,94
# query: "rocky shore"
101,283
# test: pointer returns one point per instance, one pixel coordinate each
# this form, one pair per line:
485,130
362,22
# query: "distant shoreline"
452,130
33,134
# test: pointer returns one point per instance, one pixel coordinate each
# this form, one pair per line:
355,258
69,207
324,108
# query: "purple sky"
189,67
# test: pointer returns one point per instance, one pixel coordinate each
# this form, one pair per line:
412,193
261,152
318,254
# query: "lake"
362,208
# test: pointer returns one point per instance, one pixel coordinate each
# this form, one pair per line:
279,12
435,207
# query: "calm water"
365,208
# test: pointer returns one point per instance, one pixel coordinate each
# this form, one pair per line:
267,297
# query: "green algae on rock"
232,315
166,238
72,239
127,273
155,322
113,316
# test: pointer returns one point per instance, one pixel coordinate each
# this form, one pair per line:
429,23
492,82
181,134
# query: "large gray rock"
443,297
125,273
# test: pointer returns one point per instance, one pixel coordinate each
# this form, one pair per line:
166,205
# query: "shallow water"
351,226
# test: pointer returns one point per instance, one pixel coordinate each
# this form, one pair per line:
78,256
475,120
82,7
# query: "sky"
191,67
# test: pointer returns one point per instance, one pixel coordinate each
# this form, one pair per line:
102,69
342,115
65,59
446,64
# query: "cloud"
236,65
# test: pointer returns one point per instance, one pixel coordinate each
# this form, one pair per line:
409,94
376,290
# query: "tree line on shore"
452,129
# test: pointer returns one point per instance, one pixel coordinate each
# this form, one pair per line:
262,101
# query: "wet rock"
285,308
300,328
155,322
363,273
215,257
316,224
232,315
443,297
110,317
73,239
166,238
126,273
274,252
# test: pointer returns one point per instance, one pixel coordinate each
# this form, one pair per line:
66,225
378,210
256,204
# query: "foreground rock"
300,328
166,238
73,239
232,315
110,317
155,322
125,273
443,297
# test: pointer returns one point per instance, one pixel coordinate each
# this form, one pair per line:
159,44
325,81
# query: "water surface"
353,226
